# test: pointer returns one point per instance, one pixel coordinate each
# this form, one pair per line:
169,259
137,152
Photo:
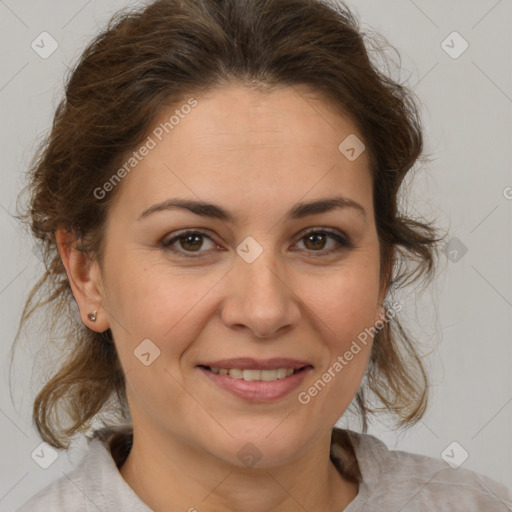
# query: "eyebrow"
214,211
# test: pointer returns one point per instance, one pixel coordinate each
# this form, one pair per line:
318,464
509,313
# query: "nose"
260,298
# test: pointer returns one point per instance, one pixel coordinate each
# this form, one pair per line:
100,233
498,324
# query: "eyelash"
343,240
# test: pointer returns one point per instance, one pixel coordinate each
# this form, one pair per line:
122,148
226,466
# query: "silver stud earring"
92,316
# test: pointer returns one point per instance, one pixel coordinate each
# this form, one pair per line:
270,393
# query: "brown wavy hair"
153,57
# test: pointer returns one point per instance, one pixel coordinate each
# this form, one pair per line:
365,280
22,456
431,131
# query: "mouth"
251,375
257,384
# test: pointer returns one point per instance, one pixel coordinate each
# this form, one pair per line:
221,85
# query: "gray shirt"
392,481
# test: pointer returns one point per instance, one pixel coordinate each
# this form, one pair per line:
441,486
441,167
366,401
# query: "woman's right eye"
189,241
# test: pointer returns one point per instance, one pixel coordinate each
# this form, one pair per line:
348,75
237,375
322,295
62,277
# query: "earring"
92,316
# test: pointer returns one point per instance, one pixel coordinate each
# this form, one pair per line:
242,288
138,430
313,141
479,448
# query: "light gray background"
465,317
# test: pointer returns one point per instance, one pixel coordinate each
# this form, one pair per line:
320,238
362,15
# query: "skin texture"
256,154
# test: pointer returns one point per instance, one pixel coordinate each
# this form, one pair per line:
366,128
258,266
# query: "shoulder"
68,492
399,480
95,483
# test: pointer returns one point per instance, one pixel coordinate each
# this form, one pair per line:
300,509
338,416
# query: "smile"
256,385
252,375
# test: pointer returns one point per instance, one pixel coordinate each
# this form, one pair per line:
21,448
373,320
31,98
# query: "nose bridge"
264,303
261,276
258,267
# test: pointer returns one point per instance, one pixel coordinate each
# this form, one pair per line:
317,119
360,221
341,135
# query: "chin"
262,444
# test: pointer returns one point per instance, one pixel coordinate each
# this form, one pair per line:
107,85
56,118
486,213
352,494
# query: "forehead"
244,117
243,144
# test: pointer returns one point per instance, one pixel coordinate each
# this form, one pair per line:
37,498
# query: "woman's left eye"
316,237
314,240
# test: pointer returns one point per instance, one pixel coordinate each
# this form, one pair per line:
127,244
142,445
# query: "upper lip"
250,363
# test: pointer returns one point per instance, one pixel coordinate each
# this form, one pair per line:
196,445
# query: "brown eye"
316,241
189,242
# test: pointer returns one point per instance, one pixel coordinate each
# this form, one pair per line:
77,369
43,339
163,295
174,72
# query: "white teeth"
250,375
268,374
236,373
281,373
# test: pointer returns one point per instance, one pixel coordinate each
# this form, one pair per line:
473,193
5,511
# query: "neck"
169,475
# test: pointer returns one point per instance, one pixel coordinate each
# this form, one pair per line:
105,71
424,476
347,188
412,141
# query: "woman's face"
251,283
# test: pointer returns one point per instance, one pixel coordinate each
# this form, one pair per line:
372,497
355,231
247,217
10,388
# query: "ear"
84,277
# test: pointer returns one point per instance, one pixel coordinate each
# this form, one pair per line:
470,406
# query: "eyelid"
167,242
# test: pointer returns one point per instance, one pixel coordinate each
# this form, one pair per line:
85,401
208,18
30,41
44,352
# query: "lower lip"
258,391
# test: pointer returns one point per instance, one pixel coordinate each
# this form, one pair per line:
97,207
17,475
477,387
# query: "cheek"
345,309
158,303
343,300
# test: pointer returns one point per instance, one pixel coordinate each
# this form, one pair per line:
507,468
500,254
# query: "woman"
218,196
